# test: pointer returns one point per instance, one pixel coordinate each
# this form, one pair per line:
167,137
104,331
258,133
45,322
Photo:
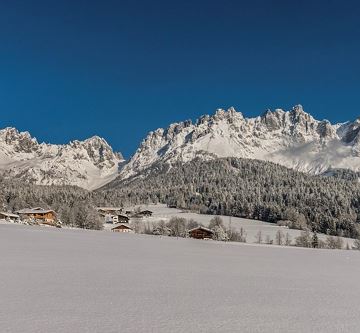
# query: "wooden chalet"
37,213
9,216
201,233
122,228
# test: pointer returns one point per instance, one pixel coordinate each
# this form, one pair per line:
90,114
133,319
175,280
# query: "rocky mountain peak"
20,141
292,138
87,163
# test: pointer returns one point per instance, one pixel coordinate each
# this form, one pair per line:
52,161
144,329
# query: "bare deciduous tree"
259,237
279,238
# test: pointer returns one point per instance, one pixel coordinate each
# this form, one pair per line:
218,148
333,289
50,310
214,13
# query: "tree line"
250,189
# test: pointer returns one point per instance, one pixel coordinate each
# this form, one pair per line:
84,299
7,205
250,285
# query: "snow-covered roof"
9,215
113,213
105,209
34,211
202,228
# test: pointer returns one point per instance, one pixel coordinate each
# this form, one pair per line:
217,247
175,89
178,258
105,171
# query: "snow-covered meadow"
62,280
251,227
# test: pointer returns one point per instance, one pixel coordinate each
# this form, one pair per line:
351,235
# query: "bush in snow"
177,226
220,234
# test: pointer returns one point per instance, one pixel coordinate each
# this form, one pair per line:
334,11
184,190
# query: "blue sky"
118,69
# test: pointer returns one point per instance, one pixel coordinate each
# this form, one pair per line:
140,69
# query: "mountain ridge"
291,138
89,164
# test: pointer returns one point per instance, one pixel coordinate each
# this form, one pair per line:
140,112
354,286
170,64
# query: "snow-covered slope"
88,164
293,138
58,280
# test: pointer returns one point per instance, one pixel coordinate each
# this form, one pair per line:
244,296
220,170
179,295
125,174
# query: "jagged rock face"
291,138
88,164
21,142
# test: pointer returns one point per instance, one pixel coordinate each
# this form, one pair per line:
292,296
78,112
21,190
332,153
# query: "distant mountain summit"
291,138
88,164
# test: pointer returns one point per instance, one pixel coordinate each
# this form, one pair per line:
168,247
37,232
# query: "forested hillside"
226,186
74,205
249,188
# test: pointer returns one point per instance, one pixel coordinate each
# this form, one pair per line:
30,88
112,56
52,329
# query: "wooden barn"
122,228
201,233
144,213
38,213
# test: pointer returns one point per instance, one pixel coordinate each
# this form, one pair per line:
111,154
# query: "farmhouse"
8,216
113,215
201,233
122,228
38,213
115,218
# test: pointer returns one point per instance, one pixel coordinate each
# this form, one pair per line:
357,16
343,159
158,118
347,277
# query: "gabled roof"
122,225
201,228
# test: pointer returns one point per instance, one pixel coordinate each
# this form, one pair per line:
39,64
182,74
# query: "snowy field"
56,280
251,227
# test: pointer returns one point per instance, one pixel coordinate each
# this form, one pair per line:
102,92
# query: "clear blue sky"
72,69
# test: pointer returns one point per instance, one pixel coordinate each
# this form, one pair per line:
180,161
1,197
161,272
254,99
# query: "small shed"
144,213
122,228
8,216
201,233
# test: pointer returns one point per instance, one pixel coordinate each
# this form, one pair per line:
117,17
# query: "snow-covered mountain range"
291,138
88,164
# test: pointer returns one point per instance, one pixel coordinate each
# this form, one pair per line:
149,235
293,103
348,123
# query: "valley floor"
61,280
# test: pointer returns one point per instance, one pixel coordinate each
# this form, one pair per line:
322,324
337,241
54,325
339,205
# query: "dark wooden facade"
123,219
201,233
146,213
